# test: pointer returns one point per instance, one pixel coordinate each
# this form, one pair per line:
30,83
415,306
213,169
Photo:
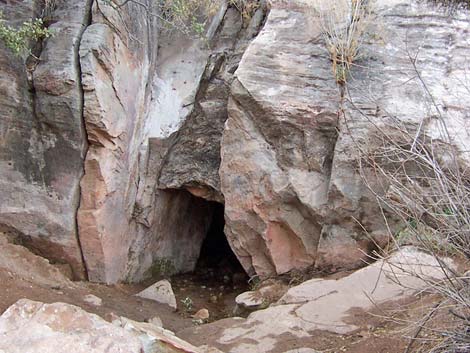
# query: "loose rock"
160,292
93,300
202,314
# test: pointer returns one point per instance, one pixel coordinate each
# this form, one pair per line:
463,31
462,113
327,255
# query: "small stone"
111,317
93,300
156,321
160,292
249,300
202,314
213,299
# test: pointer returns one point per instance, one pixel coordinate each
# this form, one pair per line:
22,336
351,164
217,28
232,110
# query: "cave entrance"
217,262
218,276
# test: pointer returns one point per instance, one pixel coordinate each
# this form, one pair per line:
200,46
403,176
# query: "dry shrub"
187,16
344,23
429,190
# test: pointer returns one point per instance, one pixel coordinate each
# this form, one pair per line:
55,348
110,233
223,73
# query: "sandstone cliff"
117,140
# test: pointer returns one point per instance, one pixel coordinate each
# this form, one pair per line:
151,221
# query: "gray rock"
30,327
321,304
294,196
93,300
43,143
249,300
161,292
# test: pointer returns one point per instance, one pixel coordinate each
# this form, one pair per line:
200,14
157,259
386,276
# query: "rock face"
278,145
115,72
193,159
182,156
378,96
321,304
116,141
153,125
294,197
42,149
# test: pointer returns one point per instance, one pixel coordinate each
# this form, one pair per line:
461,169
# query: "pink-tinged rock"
127,226
30,267
30,327
278,144
42,141
157,339
328,305
114,80
293,188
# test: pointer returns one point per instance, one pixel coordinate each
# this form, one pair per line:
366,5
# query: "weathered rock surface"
29,326
321,304
43,139
278,145
133,104
294,196
156,131
160,292
186,117
115,73
20,261
383,88
193,159
157,339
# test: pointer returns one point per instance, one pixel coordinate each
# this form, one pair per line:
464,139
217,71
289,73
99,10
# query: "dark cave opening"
218,276
217,260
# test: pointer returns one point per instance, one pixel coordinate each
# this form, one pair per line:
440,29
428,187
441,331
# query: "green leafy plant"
18,39
187,16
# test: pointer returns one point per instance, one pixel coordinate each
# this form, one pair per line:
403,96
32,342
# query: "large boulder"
30,327
20,261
